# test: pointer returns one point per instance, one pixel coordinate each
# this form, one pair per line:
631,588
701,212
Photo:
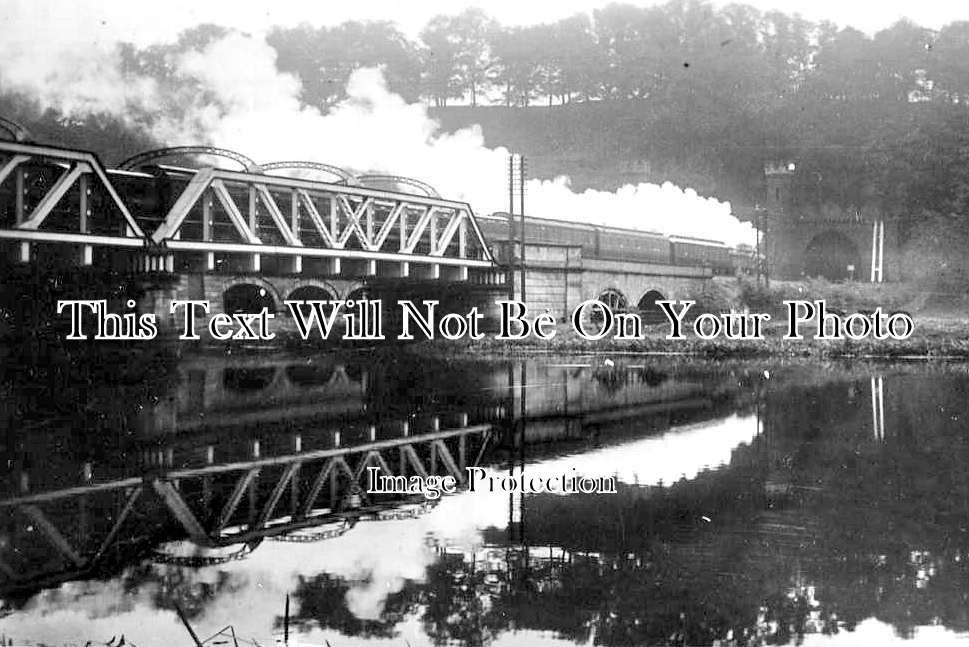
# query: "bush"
712,297
757,297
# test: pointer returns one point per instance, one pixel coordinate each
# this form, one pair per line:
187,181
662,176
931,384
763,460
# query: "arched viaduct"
558,278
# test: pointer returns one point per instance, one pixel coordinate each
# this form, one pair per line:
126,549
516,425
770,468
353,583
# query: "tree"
574,59
845,67
441,75
519,69
325,58
460,51
638,47
788,50
948,62
901,53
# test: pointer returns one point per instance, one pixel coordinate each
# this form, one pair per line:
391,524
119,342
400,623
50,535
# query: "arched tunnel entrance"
833,256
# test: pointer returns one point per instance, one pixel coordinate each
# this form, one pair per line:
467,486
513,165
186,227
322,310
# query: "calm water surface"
757,504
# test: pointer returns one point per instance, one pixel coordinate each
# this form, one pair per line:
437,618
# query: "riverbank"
941,329
934,337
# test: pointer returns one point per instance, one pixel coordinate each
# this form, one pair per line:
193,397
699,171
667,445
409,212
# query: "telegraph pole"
763,223
761,266
516,185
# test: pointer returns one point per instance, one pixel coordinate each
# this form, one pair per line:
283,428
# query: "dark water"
757,503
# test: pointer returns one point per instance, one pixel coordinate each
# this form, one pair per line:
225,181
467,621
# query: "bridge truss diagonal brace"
328,468
179,508
317,220
276,495
87,162
189,197
414,460
241,487
353,217
53,535
389,224
81,162
414,235
133,228
122,517
195,191
54,195
222,193
456,221
445,455
11,165
374,458
267,199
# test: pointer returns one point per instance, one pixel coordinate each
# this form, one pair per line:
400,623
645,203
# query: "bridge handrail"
333,187
320,535
17,131
348,178
428,190
198,561
142,158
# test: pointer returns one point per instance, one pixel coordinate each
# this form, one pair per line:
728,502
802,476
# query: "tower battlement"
779,168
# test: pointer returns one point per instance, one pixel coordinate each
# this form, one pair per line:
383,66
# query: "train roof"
697,241
625,231
501,215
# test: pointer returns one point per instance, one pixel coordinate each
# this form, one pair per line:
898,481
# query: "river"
769,502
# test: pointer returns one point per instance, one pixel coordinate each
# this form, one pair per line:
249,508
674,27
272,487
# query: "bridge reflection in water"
242,484
244,449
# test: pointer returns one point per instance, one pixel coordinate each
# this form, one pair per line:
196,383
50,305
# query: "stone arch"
358,292
312,290
648,310
248,379
832,255
310,375
613,298
249,296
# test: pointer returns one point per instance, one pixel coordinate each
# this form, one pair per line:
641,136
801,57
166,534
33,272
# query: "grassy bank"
933,338
941,325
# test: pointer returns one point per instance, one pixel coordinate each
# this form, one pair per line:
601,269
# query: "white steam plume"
57,55
243,102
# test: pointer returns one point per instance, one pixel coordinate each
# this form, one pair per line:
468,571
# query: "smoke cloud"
56,57
231,94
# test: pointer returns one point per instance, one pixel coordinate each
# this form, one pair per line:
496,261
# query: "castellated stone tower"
822,240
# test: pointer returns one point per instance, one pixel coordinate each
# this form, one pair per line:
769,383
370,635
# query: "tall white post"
881,251
878,407
878,251
874,248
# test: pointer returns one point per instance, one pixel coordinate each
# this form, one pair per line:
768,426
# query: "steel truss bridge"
210,512
178,218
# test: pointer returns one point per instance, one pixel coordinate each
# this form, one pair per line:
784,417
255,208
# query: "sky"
144,23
